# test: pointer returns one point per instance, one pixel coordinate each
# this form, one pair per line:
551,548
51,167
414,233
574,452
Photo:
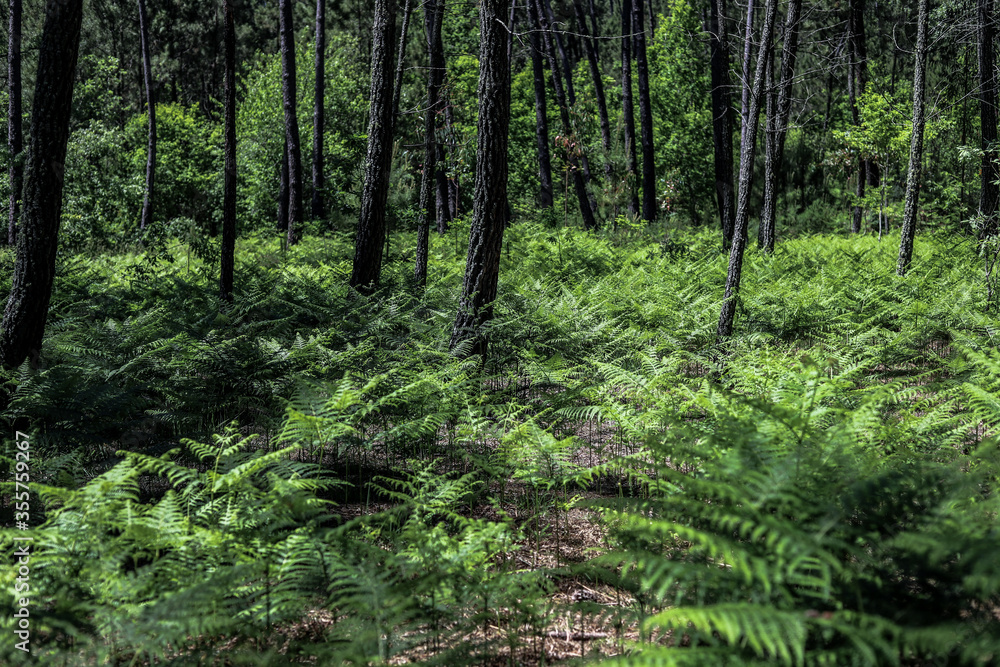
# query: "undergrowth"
309,476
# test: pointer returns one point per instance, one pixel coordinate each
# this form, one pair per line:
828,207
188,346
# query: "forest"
506,332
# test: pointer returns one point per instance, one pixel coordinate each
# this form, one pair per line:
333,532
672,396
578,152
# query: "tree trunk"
574,147
722,121
482,270
229,185
147,75
748,147
628,115
397,87
916,146
37,238
747,60
541,115
375,191
14,134
283,190
318,208
858,80
567,64
433,15
291,121
590,44
444,210
989,192
645,116
779,109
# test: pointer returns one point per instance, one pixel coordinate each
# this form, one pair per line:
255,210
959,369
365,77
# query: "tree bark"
397,87
444,209
288,91
628,114
858,80
482,271
645,116
779,109
433,15
913,174
722,120
228,262
590,44
748,148
283,190
574,147
37,238
541,114
989,191
318,207
370,238
15,140
747,60
147,75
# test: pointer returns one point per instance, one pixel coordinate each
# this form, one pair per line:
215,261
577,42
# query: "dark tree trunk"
14,135
229,185
913,174
748,148
567,63
291,121
433,15
454,208
318,179
747,60
989,193
541,114
371,225
283,190
37,238
645,116
574,148
779,109
482,270
590,44
628,115
444,210
397,87
147,75
722,121
858,80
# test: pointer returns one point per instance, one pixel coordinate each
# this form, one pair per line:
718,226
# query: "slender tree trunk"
482,271
913,174
147,74
433,15
14,134
291,121
283,190
229,186
858,80
989,192
778,111
444,210
574,147
645,116
748,148
541,114
722,121
37,238
590,44
628,115
397,87
454,208
318,208
564,59
371,224
747,60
